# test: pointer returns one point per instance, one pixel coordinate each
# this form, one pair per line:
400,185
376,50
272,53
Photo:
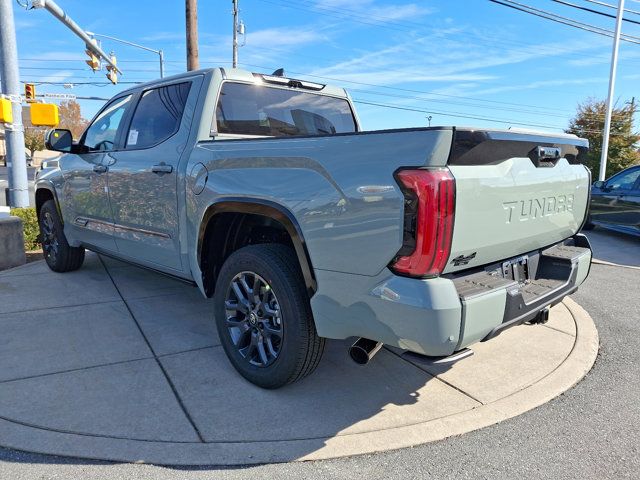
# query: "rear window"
246,109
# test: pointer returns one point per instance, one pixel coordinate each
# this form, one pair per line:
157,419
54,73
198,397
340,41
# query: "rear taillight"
428,221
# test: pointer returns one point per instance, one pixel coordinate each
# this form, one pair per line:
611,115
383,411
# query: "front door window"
101,135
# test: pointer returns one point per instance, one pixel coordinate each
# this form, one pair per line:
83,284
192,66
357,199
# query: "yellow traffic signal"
6,114
112,74
30,92
94,61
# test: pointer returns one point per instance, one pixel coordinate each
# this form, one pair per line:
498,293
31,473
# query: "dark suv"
615,203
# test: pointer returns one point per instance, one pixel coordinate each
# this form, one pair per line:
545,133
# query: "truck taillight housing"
428,221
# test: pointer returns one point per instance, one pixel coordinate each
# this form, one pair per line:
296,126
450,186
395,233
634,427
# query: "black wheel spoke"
240,295
271,331
235,305
262,353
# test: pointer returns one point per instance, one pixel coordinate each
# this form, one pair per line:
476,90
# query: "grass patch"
29,226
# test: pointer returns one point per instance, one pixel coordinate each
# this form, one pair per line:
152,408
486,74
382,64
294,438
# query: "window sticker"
133,137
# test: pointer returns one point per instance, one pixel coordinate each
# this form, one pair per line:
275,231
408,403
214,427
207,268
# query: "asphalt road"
590,432
4,183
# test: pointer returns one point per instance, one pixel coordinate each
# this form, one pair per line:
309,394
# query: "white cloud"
439,57
59,76
284,37
539,84
374,11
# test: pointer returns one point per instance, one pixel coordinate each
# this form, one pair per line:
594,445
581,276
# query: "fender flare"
47,185
266,208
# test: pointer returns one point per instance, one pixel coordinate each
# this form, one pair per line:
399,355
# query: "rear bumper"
440,316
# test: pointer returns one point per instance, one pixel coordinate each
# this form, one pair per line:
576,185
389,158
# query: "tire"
279,318
58,254
588,225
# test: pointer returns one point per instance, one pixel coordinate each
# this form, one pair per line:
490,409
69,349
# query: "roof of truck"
239,75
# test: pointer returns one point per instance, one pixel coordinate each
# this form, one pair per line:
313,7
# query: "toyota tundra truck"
264,192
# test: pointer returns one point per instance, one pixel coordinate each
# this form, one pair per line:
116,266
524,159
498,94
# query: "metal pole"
14,133
235,34
191,12
57,12
126,42
612,82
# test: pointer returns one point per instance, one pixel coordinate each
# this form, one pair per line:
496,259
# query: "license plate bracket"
517,269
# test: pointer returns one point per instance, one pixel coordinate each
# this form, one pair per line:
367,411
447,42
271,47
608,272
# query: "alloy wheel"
253,319
50,243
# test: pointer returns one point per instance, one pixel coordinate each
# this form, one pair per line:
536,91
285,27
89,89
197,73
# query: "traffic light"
94,61
30,92
112,74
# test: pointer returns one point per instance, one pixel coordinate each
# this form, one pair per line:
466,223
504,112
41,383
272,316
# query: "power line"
336,79
634,12
459,115
587,9
564,20
343,14
75,69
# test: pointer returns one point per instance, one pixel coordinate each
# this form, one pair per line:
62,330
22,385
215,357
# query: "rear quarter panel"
340,188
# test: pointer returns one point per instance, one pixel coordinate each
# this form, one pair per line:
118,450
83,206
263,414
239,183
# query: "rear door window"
247,109
157,116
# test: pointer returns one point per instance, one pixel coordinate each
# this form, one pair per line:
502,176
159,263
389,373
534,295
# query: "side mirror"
599,184
59,140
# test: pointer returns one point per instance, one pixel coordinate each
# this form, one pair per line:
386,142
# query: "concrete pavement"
614,248
114,362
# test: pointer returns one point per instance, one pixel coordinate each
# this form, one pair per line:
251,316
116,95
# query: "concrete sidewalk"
113,362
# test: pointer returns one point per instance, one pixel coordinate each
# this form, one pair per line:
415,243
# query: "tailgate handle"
545,156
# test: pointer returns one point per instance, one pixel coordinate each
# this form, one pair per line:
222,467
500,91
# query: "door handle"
162,168
99,168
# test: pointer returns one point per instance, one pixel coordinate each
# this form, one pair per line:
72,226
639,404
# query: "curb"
611,264
574,367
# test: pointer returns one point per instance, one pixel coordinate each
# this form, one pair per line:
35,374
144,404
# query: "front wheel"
59,255
264,318
588,225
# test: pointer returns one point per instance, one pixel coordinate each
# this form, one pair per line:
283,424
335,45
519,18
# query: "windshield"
246,109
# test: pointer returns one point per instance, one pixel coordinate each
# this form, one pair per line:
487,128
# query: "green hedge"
29,225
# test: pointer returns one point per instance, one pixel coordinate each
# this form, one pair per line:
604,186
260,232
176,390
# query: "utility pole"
191,12
14,133
235,33
612,82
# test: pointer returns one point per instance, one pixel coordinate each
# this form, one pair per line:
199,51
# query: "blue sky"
463,62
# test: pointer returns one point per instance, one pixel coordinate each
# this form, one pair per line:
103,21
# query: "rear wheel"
264,318
58,254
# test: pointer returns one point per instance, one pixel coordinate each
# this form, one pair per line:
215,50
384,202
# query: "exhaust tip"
359,355
363,350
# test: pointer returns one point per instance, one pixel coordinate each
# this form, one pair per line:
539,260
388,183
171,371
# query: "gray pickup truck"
264,192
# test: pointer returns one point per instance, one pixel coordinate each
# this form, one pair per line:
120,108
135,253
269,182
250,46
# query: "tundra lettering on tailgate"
522,210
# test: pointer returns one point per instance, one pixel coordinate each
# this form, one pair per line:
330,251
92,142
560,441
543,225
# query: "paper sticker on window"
133,137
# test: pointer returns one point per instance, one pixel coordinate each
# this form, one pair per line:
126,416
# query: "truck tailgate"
515,192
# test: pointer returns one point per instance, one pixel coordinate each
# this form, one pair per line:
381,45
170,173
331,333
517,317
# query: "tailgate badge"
462,260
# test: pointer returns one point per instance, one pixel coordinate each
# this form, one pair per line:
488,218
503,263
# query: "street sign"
61,96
